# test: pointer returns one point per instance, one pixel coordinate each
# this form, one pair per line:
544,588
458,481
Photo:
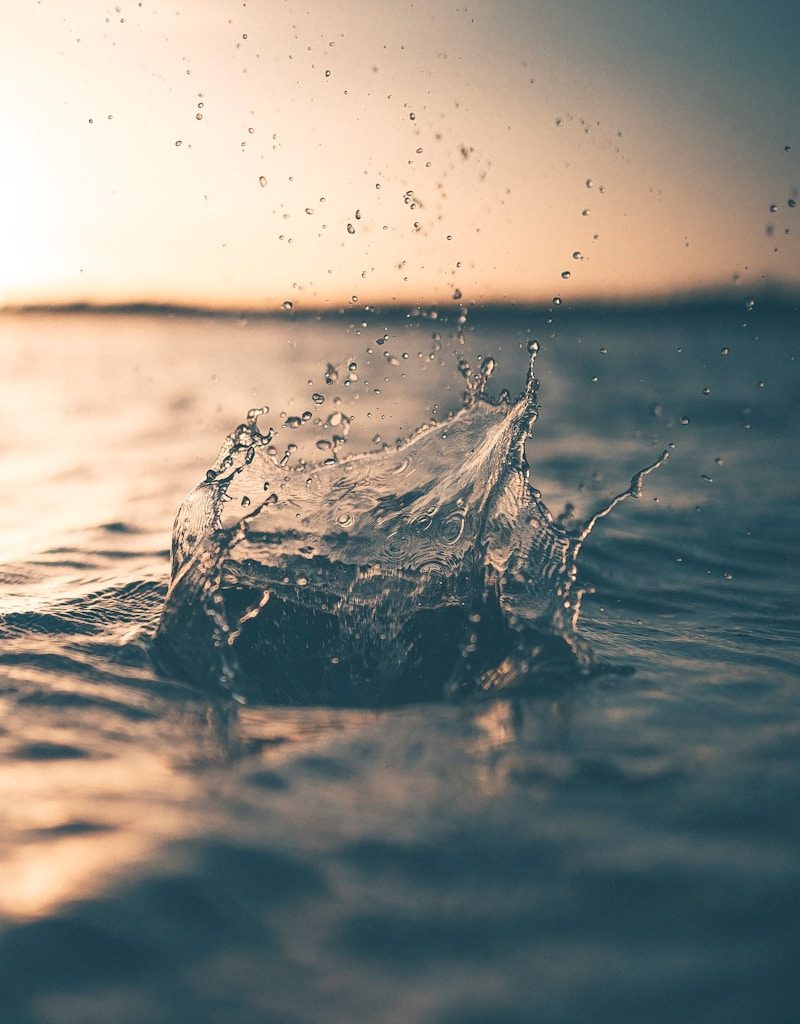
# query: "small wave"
432,568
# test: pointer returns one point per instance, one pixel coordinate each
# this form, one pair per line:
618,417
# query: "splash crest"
429,569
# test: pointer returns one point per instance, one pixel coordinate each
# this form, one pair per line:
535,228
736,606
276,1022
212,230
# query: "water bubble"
412,117
198,117
328,73
179,142
293,422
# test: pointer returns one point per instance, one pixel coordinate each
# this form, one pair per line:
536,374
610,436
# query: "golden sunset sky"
239,154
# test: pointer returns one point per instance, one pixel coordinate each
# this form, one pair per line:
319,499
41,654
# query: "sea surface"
611,835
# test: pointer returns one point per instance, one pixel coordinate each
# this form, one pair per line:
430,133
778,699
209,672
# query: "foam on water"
426,569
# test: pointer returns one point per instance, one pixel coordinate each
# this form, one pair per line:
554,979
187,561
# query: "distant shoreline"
773,297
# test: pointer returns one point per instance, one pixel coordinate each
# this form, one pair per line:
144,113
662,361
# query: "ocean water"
440,825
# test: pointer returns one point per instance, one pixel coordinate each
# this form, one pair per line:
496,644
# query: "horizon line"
775,294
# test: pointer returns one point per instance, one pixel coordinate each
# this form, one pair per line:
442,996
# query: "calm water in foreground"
617,849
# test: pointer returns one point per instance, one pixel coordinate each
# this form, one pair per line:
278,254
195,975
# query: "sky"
231,154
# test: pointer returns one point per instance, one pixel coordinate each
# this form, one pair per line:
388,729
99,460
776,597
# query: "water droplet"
707,478
684,421
262,181
603,351
585,213
350,229
198,117
533,347
565,274
725,351
791,203
556,300
589,183
760,384
773,207
179,142
287,305
457,294
412,117
706,391
317,398
328,73
245,501
750,305
293,422
577,255
309,210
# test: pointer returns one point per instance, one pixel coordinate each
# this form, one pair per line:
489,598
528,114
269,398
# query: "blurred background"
231,154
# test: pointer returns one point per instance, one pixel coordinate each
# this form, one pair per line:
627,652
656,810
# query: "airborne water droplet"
287,305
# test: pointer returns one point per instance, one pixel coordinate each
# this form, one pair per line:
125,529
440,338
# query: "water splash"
427,569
